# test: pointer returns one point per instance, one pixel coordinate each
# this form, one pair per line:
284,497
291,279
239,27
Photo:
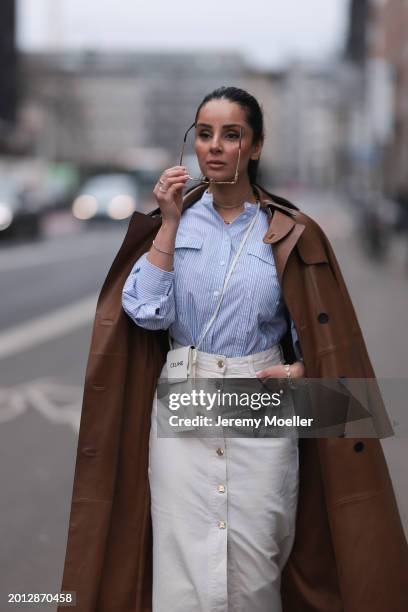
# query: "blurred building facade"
323,122
388,48
8,72
308,131
95,107
377,49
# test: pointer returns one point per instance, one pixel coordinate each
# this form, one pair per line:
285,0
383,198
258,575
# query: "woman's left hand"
297,370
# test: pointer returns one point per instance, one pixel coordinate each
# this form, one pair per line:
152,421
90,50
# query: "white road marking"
57,402
12,405
42,397
47,327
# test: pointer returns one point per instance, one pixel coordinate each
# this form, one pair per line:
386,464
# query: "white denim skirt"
223,509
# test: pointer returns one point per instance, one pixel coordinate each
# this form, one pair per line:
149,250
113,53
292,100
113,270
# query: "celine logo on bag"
178,364
174,364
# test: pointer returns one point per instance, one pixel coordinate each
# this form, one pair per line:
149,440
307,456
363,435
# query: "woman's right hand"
168,192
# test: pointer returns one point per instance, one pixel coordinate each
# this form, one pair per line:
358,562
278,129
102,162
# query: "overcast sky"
268,32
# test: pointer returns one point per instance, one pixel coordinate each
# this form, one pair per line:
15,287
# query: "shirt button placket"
219,526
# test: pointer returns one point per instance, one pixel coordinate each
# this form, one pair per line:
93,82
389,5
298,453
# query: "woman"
257,485
344,547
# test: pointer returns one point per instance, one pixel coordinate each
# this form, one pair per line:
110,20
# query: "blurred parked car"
106,196
20,214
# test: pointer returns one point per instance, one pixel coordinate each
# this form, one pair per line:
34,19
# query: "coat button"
220,363
323,317
220,451
137,270
358,447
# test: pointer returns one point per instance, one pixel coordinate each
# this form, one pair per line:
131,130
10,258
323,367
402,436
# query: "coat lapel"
283,239
283,231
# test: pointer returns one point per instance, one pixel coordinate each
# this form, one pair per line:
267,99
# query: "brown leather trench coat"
349,554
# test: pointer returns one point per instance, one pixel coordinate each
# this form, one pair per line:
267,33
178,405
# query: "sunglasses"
212,181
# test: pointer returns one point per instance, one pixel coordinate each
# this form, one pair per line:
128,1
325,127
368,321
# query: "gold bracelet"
160,251
287,369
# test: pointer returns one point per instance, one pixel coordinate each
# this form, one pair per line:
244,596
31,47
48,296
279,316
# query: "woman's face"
217,140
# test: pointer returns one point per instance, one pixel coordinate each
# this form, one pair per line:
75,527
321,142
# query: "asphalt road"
48,297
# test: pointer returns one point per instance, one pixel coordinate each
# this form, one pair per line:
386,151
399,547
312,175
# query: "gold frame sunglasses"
214,181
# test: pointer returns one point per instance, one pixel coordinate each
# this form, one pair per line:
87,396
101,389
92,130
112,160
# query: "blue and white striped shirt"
251,317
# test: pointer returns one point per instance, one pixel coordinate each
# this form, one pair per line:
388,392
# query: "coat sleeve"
148,295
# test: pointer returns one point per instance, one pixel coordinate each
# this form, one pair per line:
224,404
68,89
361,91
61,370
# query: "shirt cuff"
152,280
